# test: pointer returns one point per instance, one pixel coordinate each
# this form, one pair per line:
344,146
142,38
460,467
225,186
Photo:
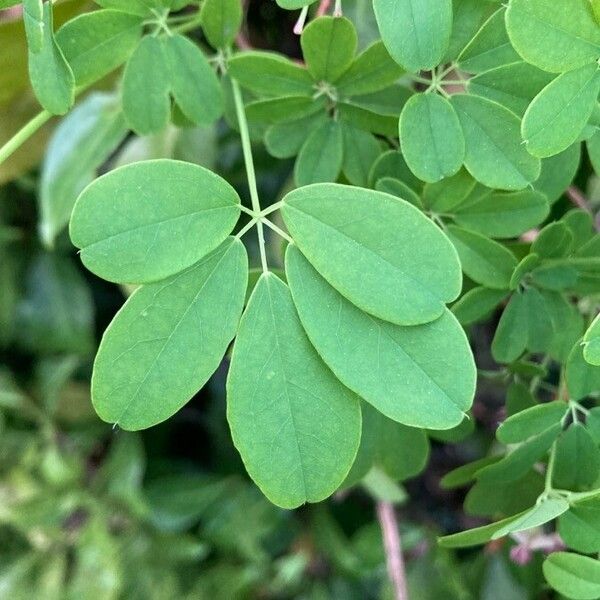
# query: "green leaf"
284,109
591,340
143,8
168,339
577,463
580,527
501,215
558,172
468,16
320,158
593,148
513,85
194,85
531,421
431,136
495,155
33,20
284,140
56,311
361,150
465,474
415,32
221,20
51,76
419,376
398,188
477,304
296,427
575,576
582,378
554,35
554,241
520,460
146,87
96,43
474,537
329,45
392,164
490,48
270,74
294,4
370,256
510,339
544,512
519,397
79,146
146,221
371,71
400,452
444,196
486,262
559,113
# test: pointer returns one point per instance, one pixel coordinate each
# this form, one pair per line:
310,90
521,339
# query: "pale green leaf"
501,215
395,187
547,510
577,463
270,74
146,87
194,84
477,304
444,196
554,35
591,340
361,241
486,262
320,158
559,113
361,150
96,43
530,422
221,20
431,137
151,219
580,527
420,376
495,155
477,536
296,427
558,172
79,146
168,339
284,140
415,32
329,45
582,377
575,576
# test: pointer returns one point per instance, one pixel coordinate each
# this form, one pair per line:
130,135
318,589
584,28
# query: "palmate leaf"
420,376
554,35
374,249
146,221
168,339
295,425
415,32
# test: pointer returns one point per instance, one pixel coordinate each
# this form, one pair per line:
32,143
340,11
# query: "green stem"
272,208
277,230
24,134
247,150
550,469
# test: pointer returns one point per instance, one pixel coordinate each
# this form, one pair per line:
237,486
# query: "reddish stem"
393,549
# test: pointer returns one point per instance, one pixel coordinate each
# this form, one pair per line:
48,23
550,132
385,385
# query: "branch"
393,549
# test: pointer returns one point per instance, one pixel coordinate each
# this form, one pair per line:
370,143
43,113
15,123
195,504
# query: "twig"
577,198
393,549
323,7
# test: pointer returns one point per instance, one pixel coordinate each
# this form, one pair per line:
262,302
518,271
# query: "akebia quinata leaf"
168,339
421,376
146,221
295,425
378,251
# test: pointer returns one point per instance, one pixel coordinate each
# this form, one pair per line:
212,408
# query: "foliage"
429,160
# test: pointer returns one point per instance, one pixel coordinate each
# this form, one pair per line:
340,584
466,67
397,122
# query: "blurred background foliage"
91,512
